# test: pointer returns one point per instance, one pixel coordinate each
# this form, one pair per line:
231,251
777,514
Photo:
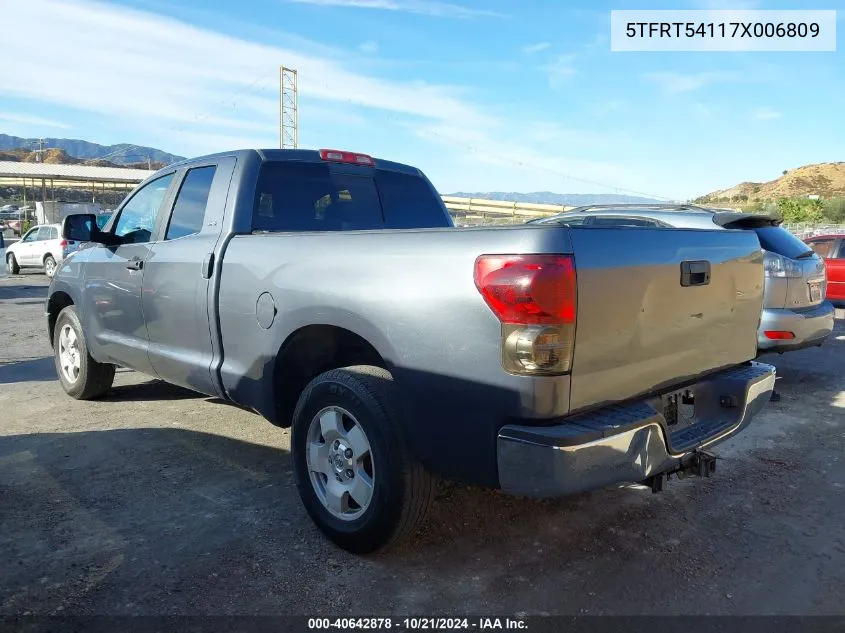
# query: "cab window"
189,208
138,216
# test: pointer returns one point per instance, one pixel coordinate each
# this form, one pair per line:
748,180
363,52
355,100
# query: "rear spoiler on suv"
734,220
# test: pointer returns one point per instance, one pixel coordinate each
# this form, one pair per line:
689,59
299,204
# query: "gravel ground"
155,500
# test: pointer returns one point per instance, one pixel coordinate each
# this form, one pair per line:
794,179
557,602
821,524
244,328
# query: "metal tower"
288,111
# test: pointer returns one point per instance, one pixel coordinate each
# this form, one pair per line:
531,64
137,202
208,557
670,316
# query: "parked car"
831,248
41,247
330,292
795,314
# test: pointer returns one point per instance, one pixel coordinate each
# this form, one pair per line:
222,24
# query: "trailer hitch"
699,464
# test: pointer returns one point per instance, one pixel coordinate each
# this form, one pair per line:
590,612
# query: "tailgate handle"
695,273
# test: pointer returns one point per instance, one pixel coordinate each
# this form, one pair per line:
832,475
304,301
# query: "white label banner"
723,30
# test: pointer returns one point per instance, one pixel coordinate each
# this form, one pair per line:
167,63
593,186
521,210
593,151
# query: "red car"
832,249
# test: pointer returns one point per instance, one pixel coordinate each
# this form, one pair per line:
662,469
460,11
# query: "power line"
195,119
520,163
393,117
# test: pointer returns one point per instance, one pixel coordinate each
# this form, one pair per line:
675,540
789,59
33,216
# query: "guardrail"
498,210
804,231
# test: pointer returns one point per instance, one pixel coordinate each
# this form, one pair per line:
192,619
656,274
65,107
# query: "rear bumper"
627,443
811,327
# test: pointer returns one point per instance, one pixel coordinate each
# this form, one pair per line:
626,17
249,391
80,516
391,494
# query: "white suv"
42,247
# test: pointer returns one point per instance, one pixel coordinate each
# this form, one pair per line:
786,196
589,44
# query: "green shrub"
834,210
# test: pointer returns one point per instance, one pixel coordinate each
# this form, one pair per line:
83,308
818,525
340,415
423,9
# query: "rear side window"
54,233
823,248
43,233
410,202
294,196
778,240
189,209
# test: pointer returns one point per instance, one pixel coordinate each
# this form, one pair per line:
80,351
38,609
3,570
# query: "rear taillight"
535,298
779,335
63,243
776,265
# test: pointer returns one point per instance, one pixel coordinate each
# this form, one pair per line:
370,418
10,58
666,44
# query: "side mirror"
81,227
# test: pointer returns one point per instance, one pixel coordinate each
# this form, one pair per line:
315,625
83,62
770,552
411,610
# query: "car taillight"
63,243
535,299
776,265
779,335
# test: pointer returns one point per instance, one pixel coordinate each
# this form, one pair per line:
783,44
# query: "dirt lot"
155,500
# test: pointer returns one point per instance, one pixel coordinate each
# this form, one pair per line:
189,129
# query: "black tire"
402,490
50,265
12,263
94,379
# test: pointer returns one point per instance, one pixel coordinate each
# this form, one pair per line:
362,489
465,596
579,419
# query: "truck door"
178,295
111,307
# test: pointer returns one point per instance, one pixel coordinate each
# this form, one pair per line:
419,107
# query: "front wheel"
81,376
49,266
12,264
356,476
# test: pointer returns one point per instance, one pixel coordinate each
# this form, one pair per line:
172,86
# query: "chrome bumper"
628,443
810,327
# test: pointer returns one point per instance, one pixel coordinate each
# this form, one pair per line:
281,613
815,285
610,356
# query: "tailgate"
639,329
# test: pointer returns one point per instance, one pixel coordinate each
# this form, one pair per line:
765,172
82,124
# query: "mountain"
823,179
120,154
568,199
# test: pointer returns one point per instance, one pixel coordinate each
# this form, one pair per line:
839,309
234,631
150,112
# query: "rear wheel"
49,266
81,376
12,264
356,476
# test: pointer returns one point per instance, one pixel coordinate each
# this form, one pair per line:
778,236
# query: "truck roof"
302,155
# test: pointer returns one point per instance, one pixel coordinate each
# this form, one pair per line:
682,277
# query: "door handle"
695,273
136,263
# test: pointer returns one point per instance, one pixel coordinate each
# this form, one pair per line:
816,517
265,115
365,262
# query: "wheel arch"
57,301
310,351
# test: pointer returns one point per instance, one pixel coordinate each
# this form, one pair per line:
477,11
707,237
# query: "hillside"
61,157
824,179
122,154
547,197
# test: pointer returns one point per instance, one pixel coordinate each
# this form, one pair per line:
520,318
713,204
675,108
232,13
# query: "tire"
12,264
50,266
87,379
402,489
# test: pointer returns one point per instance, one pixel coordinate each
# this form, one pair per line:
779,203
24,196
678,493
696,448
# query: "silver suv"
795,314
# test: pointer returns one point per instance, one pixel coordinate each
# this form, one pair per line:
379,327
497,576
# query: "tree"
784,171
834,209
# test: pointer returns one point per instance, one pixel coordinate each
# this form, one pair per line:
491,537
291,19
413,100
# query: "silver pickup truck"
330,292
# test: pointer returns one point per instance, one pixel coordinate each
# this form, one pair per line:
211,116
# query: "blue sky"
482,95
